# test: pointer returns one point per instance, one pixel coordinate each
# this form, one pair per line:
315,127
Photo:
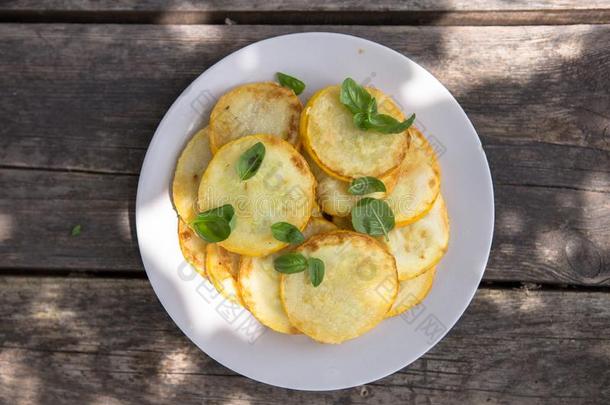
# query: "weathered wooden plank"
551,234
286,5
440,12
541,84
39,208
543,234
74,102
71,340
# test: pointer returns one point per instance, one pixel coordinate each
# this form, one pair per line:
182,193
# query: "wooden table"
84,85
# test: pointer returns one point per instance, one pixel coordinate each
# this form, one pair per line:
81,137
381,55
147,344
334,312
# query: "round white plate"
229,334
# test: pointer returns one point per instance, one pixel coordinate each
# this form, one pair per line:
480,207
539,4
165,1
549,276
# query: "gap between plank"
313,17
68,170
73,274
141,275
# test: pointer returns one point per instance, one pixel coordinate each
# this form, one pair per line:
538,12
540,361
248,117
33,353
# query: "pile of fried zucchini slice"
312,154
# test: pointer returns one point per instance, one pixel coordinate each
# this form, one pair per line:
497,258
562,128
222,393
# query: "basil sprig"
293,262
215,225
366,185
373,217
291,82
250,161
363,106
285,232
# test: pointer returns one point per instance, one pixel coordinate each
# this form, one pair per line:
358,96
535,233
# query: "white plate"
230,334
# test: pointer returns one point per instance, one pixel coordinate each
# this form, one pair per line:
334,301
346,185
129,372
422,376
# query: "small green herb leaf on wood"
76,230
316,270
291,82
366,185
373,217
285,232
250,161
290,263
215,225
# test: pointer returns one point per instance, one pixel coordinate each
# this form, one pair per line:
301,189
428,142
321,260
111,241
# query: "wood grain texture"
39,208
542,85
542,234
79,104
72,340
286,5
77,119
387,12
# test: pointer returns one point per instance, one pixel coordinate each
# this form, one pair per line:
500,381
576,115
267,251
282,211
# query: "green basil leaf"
373,217
215,225
355,97
360,120
291,82
285,232
225,211
366,185
250,161
290,263
212,229
371,108
316,270
387,124
75,230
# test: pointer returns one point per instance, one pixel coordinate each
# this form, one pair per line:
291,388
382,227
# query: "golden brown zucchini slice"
358,288
420,245
259,283
255,108
191,165
419,182
343,150
332,195
282,190
412,292
223,270
192,247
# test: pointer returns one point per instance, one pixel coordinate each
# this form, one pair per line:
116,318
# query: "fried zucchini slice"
412,292
316,226
259,283
343,222
358,288
332,195
343,150
419,182
191,164
223,271
420,245
316,212
192,247
282,189
255,108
